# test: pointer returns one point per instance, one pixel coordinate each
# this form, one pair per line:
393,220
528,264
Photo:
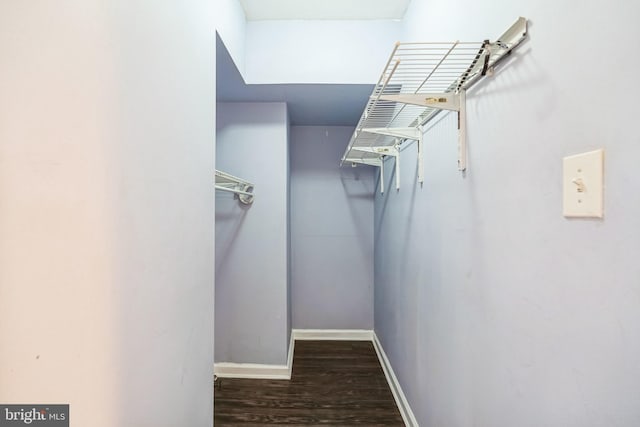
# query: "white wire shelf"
418,81
242,189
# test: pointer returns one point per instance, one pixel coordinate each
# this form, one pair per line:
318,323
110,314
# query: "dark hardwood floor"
334,383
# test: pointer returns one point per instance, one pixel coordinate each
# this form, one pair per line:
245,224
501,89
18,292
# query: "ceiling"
260,10
308,104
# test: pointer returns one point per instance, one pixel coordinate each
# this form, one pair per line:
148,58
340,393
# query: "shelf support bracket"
382,150
462,131
398,173
440,101
403,133
420,156
392,151
381,177
369,162
412,133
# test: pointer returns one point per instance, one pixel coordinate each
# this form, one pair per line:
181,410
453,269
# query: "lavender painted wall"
332,232
493,308
251,240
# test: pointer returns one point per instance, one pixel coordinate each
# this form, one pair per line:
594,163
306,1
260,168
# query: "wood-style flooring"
333,383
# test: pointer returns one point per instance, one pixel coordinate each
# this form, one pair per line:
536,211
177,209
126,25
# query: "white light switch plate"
583,185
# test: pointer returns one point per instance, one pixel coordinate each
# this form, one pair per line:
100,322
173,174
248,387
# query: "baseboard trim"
403,404
292,345
251,370
333,334
256,370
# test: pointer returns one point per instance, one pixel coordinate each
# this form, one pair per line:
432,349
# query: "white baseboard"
251,370
292,346
255,370
333,334
403,404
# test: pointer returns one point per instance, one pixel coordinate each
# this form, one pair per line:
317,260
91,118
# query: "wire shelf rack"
420,80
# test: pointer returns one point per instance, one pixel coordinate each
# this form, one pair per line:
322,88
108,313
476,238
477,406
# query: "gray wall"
106,224
332,232
252,241
494,309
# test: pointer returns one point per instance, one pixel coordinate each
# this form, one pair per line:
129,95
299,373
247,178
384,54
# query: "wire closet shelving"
418,82
242,189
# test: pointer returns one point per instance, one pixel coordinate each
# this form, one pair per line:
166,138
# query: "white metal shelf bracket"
400,135
394,152
403,133
462,131
420,155
382,178
442,101
419,81
243,190
397,172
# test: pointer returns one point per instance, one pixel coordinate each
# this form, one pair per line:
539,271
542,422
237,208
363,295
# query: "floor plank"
333,383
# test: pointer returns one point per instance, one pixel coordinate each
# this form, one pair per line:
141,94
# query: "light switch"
583,185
